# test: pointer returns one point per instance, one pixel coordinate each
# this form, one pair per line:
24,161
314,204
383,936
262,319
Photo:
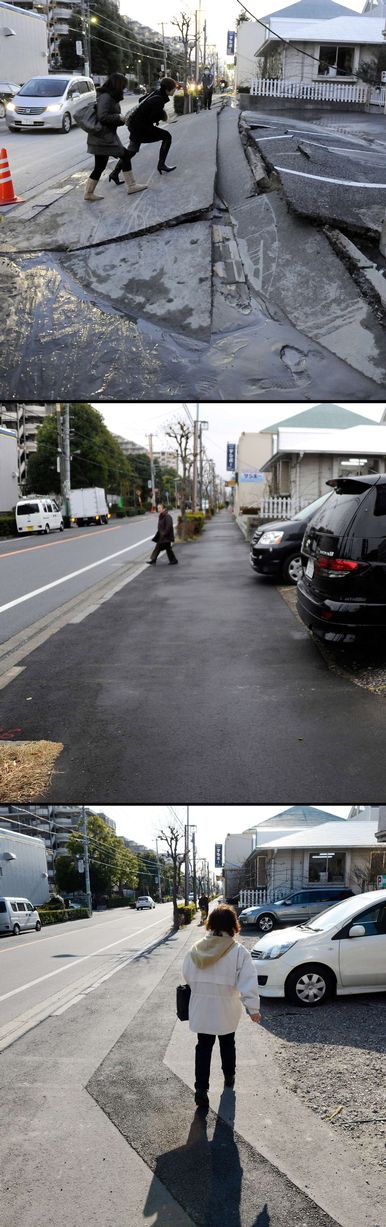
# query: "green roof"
334,417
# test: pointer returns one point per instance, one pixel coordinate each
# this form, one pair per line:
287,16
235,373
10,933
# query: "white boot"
90,190
132,186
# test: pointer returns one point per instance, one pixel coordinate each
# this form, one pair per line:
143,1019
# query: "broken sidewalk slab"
165,279
298,276
59,344
70,222
369,277
319,185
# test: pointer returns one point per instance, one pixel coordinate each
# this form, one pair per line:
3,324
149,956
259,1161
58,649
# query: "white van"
38,515
18,914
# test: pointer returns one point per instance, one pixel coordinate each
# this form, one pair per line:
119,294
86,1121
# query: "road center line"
72,575
323,179
58,970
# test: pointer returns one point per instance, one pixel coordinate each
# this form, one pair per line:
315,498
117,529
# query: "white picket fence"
277,507
378,96
252,898
318,91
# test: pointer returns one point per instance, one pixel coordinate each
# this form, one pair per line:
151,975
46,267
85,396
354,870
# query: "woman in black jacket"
142,125
105,143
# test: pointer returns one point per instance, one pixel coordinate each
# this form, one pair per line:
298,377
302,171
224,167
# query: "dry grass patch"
26,768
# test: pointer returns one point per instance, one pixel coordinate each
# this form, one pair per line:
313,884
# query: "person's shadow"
204,1176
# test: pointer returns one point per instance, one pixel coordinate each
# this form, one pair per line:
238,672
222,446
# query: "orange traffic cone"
7,195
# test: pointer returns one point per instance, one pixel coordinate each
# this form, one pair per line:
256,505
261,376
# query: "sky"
144,822
220,14
226,422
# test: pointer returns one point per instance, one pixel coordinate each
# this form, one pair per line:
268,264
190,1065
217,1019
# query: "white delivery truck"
88,506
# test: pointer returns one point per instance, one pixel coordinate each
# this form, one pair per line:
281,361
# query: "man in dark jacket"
164,536
142,124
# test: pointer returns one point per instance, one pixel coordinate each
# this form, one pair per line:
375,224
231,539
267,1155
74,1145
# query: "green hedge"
8,524
194,523
56,917
186,912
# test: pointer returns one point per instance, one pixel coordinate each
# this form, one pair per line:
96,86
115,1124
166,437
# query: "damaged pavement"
222,281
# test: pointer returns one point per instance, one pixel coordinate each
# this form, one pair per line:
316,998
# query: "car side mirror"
357,931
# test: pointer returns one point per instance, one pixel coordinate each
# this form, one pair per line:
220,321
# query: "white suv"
49,102
144,901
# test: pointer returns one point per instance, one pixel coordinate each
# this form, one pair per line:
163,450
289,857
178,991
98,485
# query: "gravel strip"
333,1058
363,666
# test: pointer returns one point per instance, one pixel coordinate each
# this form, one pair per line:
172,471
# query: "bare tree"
189,42
181,434
171,837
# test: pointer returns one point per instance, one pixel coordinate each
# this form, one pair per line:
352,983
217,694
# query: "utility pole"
196,430
164,46
152,471
204,43
86,862
194,865
187,840
64,454
159,873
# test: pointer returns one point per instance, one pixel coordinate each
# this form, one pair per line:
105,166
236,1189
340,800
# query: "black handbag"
183,998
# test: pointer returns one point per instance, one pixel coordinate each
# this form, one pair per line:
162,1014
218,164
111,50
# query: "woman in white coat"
221,976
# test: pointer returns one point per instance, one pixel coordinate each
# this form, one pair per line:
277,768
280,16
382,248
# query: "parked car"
143,902
342,592
276,547
18,914
38,515
8,89
49,102
296,907
341,951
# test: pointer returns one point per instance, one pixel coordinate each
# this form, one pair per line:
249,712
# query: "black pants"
101,160
207,99
158,550
149,137
203,1058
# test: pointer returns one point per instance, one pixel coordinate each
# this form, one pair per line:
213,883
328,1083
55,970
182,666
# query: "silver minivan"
49,102
17,915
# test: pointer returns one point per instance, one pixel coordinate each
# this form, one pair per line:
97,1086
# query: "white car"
143,902
38,515
341,951
49,102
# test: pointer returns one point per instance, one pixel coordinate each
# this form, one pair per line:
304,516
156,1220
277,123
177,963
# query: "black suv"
275,548
342,592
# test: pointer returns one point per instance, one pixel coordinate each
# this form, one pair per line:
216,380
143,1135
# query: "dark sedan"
276,547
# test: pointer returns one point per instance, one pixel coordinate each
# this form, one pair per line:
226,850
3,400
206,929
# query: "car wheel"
61,528
2,110
47,528
310,986
66,122
265,923
38,926
16,930
292,569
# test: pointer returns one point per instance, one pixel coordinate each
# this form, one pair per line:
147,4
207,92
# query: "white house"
253,449
240,850
303,460
295,48
345,852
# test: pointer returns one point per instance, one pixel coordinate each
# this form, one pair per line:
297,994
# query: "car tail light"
337,566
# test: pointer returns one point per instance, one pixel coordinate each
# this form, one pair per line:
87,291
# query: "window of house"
336,61
327,867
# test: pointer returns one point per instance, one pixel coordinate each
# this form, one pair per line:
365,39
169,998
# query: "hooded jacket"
221,975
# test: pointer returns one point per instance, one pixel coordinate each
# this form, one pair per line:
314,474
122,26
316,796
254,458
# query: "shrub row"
7,524
57,917
194,523
186,913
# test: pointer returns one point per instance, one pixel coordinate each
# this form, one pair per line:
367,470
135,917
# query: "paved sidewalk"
209,689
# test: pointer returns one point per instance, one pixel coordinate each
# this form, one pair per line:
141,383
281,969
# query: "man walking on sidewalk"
164,536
